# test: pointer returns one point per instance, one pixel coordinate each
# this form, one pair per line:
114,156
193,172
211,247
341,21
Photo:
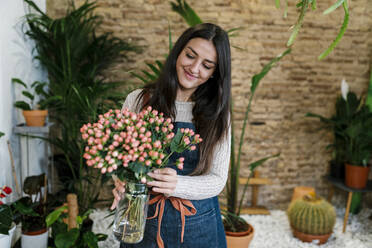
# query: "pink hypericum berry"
158,161
171,126
180,166
151,120
157,144
157,129
100,165
164,129
186,140
84,136
142,159
111,147
182,130
148,162
100,146
181,159
161,155
142,130
115,153
114,166
103,170
110,169
192,148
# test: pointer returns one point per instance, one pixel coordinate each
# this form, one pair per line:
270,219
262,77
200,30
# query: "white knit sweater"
206,185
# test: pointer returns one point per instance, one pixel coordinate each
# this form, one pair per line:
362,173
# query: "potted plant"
7,226
34,113
238,232
72,233
31,211
311,218
338,122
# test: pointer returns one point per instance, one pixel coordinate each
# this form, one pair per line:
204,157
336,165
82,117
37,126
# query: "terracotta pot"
239,239
309,238
35,118
35,239
356,176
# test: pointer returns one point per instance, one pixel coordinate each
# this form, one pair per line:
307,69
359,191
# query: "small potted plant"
31,211
34,113
311,218
7,226
67,227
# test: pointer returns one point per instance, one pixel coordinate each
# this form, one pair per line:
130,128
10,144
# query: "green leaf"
28,95
24,209
257,77
174,146
299,22
90,239
67,239
339,35
188,14
333,7
53,216
2,134
5,219
138,167
19,81
254,165
277,4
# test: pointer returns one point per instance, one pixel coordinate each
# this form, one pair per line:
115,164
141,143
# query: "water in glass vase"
131,213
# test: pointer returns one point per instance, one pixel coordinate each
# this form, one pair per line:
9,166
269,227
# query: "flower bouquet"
129,145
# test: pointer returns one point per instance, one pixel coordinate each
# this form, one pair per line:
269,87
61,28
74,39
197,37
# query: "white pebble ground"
274,231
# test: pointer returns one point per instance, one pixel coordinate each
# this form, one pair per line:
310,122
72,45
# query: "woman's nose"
194,68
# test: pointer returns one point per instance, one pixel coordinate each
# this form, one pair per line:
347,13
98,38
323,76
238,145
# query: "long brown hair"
212,99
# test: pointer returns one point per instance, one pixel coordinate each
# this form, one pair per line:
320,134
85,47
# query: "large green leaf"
90,239
67,239
5,219
19,81
54,216
22,105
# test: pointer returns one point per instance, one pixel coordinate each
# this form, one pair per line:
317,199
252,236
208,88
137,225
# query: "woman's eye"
207,67
189,56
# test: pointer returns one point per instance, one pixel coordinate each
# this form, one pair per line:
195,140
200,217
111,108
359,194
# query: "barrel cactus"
312,215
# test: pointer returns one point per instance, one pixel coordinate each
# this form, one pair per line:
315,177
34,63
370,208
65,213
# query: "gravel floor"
274,231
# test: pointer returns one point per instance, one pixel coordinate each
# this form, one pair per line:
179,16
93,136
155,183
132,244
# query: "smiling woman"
193,90
195,65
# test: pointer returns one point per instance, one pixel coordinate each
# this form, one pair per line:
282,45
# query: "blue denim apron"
202,230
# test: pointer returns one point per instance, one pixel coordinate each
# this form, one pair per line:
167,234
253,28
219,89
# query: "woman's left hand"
165,180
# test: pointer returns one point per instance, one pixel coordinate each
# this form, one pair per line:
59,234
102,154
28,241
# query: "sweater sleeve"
212,183
131,101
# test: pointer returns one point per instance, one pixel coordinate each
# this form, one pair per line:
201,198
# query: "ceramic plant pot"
35,239
239,239
356,176
6,240
35,118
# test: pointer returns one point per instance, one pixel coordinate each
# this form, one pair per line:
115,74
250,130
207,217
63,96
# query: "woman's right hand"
119,189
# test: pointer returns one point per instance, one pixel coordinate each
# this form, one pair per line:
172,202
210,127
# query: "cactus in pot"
311,218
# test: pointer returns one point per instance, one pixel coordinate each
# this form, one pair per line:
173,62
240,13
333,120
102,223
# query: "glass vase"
131,213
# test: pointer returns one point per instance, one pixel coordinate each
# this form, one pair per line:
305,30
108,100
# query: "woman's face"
195,65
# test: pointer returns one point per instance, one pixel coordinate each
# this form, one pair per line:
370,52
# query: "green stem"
299,22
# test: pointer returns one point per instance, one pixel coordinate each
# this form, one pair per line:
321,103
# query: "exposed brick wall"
299,84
